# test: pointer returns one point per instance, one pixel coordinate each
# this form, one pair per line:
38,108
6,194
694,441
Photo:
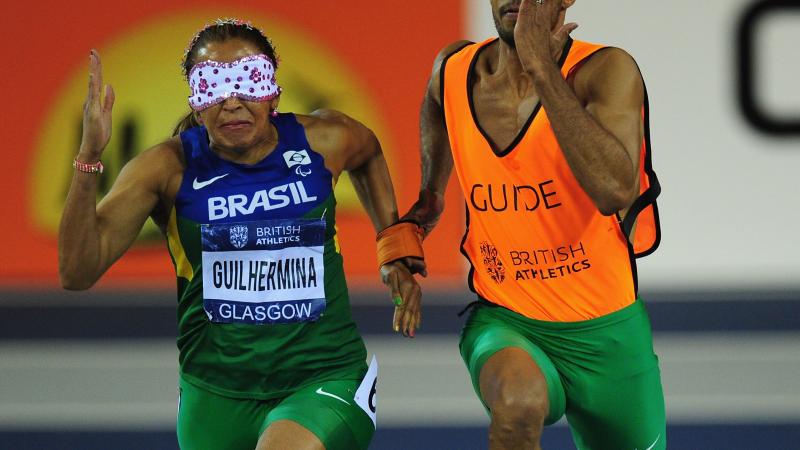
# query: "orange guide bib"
536,242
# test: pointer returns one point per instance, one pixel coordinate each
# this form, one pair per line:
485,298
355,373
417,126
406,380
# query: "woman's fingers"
108,102
98,73
406,296
411,300
90,88
397,299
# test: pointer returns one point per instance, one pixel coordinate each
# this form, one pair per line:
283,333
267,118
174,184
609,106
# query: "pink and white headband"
251,78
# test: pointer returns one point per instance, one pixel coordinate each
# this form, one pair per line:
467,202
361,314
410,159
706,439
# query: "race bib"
367,393
264,272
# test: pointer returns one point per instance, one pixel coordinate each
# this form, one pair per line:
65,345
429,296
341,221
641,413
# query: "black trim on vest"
648,197
444,120
631,257
470,282
634,268
643,201
441,80
441,74
524,130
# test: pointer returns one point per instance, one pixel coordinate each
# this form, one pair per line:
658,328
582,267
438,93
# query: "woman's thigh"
328,410
207,421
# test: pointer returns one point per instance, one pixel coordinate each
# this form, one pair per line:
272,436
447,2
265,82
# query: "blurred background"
98,369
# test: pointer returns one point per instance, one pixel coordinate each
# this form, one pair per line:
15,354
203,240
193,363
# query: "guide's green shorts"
208,421
602,372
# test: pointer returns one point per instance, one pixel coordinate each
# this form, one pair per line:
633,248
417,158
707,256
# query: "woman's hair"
219,31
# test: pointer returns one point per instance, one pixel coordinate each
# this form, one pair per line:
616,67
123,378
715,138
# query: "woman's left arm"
359,153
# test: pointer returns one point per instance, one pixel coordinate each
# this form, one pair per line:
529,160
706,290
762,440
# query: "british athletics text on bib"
264,272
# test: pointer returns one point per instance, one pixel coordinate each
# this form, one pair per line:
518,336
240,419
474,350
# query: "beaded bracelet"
88,168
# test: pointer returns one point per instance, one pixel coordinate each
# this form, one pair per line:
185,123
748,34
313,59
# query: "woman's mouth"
235,125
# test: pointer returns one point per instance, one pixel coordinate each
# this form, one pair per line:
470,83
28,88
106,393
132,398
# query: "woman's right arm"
92,236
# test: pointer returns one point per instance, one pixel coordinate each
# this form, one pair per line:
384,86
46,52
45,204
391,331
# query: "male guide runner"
549,137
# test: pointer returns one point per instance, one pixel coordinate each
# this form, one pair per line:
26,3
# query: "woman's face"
235,124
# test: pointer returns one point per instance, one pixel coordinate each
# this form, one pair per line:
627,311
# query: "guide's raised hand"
96,112
540,32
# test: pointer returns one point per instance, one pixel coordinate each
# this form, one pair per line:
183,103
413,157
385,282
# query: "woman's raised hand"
96,113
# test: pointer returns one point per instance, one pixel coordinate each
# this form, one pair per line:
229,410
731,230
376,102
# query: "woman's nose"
231,103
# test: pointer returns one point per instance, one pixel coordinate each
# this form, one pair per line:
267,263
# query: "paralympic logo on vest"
298,158
265,200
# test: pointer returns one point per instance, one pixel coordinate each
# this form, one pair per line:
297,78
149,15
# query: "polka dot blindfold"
251,78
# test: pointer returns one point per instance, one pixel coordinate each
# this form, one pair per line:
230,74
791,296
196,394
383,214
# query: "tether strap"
401,240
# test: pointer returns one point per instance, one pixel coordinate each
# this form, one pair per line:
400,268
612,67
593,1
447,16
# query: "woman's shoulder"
338,137
328,128
168,154
158,166
325,120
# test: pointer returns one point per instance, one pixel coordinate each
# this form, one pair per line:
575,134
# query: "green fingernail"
397,301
